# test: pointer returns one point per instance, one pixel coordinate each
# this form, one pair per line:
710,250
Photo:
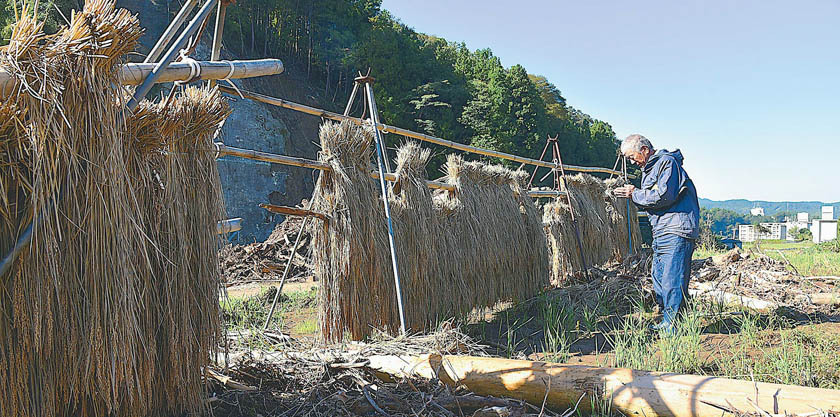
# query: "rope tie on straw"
218,146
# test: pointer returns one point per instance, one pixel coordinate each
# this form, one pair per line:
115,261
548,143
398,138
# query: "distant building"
824,229
774,231
801,222
827,212
757,211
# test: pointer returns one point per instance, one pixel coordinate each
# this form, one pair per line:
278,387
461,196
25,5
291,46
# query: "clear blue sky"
748,90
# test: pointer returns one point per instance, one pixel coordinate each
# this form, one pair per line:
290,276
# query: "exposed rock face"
252,125
247,183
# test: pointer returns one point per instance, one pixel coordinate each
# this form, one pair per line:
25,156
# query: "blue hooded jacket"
669,196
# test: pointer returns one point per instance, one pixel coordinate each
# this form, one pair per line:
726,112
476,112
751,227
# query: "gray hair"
635,143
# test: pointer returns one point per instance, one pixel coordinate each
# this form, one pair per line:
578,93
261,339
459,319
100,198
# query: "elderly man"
668,195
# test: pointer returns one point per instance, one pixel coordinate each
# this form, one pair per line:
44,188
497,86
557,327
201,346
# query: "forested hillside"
424,83
770,207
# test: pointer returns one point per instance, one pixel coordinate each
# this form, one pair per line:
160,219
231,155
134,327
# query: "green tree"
51,12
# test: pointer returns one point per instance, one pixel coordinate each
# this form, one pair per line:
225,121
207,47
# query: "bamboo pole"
631,392
134,73
407,133
224,150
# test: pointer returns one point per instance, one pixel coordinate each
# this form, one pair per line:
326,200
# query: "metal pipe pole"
289,263
170,31
303,226
352,98
21,243
629,226
374,117
171,54
217,34
380,158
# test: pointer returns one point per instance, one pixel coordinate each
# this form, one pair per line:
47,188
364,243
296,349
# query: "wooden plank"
631,392
407,133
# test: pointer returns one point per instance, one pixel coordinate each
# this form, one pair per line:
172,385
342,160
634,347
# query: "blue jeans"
671,272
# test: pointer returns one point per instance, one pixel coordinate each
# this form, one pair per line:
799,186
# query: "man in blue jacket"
668,195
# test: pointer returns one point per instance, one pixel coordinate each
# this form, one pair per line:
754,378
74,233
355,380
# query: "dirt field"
603,321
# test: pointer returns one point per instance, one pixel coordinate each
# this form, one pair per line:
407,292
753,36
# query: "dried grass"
602,221
456,252
107,311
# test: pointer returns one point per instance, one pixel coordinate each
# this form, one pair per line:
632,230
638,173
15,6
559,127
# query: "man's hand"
626,191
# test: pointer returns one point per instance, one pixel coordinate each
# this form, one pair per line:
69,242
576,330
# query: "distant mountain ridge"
770,207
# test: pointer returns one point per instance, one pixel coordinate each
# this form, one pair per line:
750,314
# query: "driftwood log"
636,393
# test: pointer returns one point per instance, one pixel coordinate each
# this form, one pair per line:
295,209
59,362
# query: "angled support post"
302,227
170,31
171,54
217,34
382,164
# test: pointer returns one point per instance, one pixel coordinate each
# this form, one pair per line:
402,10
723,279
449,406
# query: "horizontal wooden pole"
408,133
294,211
632,392
135,73
224,150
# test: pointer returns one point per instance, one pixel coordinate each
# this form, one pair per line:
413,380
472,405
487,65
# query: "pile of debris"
759,282
336,380
265,261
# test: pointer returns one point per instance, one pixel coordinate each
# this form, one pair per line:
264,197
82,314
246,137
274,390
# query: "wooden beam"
631,392
294,211
224,150
135,73
407,133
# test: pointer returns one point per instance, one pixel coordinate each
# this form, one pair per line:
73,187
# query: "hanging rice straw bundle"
181,200
601,219
482,245
105,312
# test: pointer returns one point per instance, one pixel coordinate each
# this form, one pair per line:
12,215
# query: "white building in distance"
757,211
775,231
825,228
802,222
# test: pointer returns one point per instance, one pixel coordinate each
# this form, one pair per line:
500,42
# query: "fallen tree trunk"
705,290
825,298
632,392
